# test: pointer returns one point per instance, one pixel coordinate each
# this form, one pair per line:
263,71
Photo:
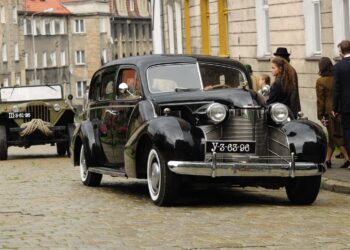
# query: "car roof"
149,60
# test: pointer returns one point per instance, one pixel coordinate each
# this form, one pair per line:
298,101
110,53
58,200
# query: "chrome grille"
247,125
38,112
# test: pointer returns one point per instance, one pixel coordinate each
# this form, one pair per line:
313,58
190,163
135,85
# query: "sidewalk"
336,179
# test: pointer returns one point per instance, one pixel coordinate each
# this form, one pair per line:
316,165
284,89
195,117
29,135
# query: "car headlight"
57,107
15,109
216,112
279,113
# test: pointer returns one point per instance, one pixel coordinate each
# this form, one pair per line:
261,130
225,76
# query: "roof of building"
42,5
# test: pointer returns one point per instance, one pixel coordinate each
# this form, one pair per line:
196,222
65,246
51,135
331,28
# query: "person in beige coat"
324,91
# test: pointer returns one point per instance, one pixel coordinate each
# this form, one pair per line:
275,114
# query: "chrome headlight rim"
15,109
212,111
57,107
279,113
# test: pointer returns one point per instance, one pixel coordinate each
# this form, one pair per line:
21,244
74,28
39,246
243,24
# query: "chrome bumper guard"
220,169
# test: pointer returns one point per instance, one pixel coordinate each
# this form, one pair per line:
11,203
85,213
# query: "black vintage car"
176,120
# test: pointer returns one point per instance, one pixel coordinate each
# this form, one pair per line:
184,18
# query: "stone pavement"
337,179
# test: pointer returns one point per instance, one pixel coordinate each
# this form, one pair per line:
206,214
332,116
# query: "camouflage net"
36,124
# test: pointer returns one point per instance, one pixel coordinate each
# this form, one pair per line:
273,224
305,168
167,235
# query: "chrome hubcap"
153,174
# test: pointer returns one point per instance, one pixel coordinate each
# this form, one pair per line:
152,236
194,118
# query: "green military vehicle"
35,115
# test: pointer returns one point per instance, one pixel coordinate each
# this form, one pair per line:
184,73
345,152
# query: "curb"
335,186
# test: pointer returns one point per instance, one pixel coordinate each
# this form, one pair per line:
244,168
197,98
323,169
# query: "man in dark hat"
295,99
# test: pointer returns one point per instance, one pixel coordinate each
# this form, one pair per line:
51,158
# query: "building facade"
12,45
251,30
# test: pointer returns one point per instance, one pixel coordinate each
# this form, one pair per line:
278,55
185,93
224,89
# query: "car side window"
133,85
94,91
107,84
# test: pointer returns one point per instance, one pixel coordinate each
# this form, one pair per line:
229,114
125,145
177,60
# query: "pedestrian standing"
295,103
324,91
284,84
341,86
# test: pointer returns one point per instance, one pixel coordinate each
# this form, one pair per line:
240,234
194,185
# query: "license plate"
19,115
230,147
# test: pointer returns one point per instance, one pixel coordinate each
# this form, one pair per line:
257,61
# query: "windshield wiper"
51,87
185,89
13,89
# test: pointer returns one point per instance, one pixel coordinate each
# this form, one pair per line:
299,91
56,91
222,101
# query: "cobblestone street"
44,205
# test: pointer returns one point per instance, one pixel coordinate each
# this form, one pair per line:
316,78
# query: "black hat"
281,51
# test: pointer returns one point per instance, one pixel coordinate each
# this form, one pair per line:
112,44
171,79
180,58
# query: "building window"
43,30
63,58
44,59
61,27
2,14
312,15
53,59
5,82
26,60
4,52
132,5
27,27
263,29
14,14
81,86
80,57
34,28
79,26
47,26
102,25
171,28
53,27
35,60
18,79
178,25
16,52
205,27
341,22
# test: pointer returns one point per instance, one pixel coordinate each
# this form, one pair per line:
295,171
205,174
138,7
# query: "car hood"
234,97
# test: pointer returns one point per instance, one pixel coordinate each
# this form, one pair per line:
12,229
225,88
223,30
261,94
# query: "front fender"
307,140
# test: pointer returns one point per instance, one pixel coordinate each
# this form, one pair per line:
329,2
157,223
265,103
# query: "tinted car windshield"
218,75
32,93
173,77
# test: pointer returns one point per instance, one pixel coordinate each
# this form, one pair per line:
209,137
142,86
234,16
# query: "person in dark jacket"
295,103
341,86
324,91
284,85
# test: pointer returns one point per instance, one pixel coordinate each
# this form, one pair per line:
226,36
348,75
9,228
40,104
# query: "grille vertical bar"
38,112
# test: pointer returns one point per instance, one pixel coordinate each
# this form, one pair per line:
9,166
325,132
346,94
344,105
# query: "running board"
109,171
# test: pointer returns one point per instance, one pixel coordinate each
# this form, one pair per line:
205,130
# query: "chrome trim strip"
220,169
154,110
113,106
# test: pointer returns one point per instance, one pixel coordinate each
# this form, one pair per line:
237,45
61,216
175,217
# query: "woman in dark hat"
295,99
324,91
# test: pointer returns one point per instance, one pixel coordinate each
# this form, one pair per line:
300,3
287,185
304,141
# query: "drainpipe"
157,33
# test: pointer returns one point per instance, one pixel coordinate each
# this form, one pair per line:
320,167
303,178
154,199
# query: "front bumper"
237,169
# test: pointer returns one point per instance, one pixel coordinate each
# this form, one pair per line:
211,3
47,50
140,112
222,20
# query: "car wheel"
162,183
3,143
88,178
303,190
62,148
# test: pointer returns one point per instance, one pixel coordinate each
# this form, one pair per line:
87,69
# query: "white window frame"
14,14
132,5
62,27
16,52
53,59
178,23
104,56
313,32
263,29
5,82
79,26
52,27
44,58
2,14
171,30
4,52
63,58
43,28
18,79
80,57
35,60
103,25
34,28
341,22
82,86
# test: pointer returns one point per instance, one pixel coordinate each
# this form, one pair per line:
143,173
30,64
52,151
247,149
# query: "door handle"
112,112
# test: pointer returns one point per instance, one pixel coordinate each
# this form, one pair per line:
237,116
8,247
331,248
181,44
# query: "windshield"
216,76
31,93
173,77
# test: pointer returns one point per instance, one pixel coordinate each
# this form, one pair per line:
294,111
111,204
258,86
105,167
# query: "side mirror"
265,90
70,97
123,87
